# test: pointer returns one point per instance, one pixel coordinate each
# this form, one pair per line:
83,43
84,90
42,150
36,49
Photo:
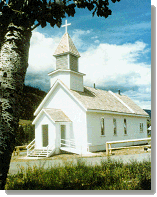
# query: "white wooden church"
80,119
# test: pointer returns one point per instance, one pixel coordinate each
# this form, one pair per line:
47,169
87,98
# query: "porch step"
39,153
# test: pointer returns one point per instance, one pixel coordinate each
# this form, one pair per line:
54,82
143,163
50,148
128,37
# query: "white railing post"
47,150
107,148
110,151
29,147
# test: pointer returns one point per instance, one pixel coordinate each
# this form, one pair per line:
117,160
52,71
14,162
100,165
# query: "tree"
17,20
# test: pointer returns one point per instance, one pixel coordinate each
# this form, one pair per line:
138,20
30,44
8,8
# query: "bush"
25,134
110,175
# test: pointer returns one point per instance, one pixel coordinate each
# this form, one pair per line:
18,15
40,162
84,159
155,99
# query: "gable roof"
58,81
66,45
96,99
56,115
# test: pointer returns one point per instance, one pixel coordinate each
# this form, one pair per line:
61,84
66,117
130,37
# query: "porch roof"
57,115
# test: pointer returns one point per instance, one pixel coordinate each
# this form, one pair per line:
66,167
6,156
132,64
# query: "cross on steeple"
66,25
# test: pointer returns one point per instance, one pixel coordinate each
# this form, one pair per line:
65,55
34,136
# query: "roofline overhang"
39,114
65,70
116,113
66,53
49,93
44,112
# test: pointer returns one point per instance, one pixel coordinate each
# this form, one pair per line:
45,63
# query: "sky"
115,52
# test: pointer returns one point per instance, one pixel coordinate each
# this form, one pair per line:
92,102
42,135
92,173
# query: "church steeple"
66,54
67,57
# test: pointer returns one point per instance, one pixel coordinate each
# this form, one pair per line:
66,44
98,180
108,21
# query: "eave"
116,113
66,70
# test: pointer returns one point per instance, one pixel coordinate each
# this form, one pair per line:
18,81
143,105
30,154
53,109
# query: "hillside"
148,111
30,100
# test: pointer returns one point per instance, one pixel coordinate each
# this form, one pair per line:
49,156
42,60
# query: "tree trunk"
15,42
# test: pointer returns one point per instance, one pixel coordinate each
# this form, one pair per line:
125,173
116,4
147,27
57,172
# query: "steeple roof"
66,45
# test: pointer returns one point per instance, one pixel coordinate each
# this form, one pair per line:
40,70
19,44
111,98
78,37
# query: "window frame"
102,126
141,127
45,135
114,126
125,126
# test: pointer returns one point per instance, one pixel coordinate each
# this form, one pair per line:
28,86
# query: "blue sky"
115,52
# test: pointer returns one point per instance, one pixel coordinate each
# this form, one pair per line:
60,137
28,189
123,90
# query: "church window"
102,126
141,127
114,126
125,126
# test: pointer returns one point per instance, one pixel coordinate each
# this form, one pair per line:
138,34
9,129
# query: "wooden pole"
106,148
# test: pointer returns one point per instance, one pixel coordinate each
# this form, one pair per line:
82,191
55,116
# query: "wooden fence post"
110,151
106,148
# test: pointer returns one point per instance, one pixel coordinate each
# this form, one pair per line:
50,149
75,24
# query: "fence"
17,150
109,148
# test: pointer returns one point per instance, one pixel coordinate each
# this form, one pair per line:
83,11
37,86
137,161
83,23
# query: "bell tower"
67,58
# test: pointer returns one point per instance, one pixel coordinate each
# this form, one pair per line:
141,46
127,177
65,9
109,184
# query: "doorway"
63,135
45,135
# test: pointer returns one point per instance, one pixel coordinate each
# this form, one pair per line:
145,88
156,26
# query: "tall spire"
65,46
67,58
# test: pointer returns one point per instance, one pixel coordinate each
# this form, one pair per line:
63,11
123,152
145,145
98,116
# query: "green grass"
110,175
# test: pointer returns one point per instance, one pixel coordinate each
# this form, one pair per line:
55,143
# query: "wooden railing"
109,148
17,150
30,147
72,145
68,143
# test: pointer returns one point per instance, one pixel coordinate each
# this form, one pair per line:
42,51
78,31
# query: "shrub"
110,175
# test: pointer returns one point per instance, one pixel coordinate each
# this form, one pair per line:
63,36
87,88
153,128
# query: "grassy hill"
30,100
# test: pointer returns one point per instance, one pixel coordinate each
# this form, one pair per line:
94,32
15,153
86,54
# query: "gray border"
153,99
153,152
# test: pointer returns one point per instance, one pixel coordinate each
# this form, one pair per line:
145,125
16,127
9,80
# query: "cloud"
38,80
132,27
119,63
41,52
110,66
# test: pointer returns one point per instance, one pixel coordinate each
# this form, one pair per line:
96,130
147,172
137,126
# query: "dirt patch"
129,151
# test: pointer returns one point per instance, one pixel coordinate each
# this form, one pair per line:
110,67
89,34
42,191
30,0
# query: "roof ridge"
129,108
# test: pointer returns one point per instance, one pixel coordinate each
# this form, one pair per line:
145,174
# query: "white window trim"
141,123
114,134
126,128
104,127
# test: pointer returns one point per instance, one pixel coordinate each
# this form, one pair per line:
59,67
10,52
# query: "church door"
45,135
63,130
